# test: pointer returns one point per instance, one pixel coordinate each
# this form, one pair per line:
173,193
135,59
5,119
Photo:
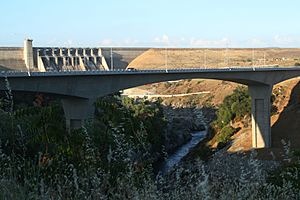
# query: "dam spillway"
59,59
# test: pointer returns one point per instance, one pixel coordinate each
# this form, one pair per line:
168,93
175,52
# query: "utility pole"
252,57
226,59
204,58
166,59
111,59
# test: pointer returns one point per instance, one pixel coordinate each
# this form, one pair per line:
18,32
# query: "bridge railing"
122,71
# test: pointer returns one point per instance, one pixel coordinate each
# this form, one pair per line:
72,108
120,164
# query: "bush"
101,162
168,84
236,105
297,64
288,173
225,134
125,135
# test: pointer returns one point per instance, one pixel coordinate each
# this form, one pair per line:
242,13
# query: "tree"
236,105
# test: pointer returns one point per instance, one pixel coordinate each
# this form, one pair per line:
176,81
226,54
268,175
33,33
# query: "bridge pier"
76,111
260,114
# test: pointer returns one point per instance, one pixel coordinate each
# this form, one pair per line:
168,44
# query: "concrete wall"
11,58
121,56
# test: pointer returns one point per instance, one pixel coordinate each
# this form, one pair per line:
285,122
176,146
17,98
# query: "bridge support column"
260,114
76,111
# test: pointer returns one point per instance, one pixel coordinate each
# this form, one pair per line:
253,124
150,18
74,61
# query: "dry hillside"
214,58
191,86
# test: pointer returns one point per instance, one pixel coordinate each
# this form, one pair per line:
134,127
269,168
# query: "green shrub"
297,64
236,105
284,174
167,84
225,134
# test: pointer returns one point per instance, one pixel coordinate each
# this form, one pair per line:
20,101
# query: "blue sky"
151,23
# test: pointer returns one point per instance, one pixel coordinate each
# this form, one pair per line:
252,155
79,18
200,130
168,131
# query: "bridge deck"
119,72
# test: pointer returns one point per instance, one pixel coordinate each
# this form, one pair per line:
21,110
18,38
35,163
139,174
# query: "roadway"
164,71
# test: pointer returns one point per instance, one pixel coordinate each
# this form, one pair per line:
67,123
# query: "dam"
41,59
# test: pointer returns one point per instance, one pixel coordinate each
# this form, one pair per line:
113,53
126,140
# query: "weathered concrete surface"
11,58
260,114
77,110
28,54
97,84
121,56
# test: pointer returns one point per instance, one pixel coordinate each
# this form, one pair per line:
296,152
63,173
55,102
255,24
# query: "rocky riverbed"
182,122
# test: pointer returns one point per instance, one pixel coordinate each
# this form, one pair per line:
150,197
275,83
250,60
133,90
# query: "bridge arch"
87,86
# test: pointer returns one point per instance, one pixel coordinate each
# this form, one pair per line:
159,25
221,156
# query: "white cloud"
122,43
164,40
257,42
285,40
69,43
209,43
106,42
130,42
52,42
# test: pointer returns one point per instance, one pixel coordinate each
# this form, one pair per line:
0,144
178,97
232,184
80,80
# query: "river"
174,159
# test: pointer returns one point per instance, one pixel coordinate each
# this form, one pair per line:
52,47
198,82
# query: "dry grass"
215,58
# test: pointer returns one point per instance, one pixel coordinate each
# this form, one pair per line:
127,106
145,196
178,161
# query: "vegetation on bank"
111,157
125,137
234,107
289,172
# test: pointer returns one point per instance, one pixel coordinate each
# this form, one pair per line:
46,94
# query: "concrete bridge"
79,89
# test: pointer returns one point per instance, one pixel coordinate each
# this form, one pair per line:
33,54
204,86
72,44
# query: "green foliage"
44,127
189,90
135,117
297,64
225,134
37,128
167,84
224,116
179,83
132,128
107,159
126,136
289,173
236,105
204,152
